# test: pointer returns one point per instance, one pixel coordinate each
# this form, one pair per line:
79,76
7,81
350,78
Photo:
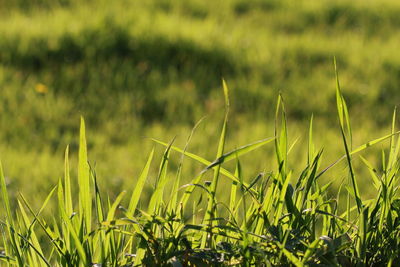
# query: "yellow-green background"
141,69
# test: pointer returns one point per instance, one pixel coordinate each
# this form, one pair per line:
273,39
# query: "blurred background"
140,69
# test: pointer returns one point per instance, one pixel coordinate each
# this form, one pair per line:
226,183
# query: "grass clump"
280,218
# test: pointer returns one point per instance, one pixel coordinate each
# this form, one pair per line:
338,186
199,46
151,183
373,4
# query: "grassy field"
137,70
273,220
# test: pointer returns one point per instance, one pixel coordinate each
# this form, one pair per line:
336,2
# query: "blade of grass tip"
342,106
357,150
339,102
371,143
392,154
239,152
114,206
173,205
281,142
157,195
200,160
293,145
372,172
164,163
283,139
213,187
137,192
344,117
85,201
277,138
67,185
43,205
226,95
310,142
310,180
396,152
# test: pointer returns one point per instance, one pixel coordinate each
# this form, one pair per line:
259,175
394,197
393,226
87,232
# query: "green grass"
283,217
137,70
153,69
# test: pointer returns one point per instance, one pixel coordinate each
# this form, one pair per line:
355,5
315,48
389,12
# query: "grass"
153,69
283,217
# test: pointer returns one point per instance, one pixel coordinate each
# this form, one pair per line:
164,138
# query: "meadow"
271,221
137,70
152,70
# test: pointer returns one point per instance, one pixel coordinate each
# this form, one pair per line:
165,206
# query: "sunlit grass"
137,69
283,217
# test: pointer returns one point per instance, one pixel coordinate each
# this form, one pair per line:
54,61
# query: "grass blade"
175,189
239,151
210,212
67,185
85,200
139,185
10,220
157,195
5,196
345,122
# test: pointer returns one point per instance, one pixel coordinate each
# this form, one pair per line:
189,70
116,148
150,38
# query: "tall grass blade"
67,184
210,212
173,204
85,200
345,122
139,185
281,140
157,196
